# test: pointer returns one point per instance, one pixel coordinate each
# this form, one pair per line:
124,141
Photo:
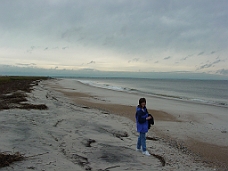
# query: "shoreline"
162,96
210,153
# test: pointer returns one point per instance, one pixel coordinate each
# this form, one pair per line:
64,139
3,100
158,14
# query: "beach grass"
5,79
13,91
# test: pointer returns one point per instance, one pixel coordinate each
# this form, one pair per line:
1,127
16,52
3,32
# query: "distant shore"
86,127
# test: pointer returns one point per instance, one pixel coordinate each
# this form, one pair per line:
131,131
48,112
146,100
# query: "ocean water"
213,92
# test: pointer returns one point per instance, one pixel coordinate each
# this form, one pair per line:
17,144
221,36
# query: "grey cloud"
91,62
212,52
133,60
21,64
187,57
46,48
223,72
122,25
168,57
209,65
201,53
31,49
70,32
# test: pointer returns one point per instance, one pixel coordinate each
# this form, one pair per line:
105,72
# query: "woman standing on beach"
142,125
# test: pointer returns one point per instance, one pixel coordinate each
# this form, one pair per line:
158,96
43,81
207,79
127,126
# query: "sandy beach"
90,128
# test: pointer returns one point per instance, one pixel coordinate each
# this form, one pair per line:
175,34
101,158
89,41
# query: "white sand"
64,129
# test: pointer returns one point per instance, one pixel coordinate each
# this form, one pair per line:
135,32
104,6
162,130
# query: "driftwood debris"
160,158
37,155
82,161
58,122
7,159
152,138
89,142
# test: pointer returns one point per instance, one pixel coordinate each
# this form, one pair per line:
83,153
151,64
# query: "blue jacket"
141,122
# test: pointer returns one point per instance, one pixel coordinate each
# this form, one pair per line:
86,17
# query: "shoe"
146,153
138,150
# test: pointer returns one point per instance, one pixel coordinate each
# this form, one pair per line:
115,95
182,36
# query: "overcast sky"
119,35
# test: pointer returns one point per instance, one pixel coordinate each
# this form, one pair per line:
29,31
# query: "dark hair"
142,100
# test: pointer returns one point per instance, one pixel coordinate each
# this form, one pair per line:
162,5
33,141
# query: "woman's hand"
148,118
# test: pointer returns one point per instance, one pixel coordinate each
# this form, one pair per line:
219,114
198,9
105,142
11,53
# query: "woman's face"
143,104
